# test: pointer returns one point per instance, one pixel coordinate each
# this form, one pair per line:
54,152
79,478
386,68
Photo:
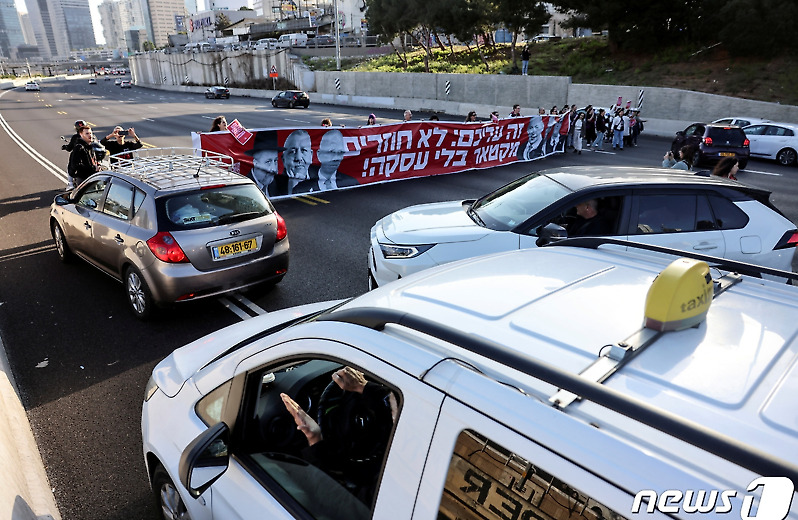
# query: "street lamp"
337,37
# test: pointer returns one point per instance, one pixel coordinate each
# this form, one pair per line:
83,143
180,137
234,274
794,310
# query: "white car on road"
654,206
32,85
777,141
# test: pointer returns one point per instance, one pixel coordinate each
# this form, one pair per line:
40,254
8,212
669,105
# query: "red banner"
293,161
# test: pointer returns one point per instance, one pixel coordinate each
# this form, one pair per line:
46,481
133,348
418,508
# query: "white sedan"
712,216
32,85
777,141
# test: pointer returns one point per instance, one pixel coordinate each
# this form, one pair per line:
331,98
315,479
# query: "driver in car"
345,450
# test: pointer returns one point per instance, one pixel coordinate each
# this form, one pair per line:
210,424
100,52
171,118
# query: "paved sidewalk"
25,492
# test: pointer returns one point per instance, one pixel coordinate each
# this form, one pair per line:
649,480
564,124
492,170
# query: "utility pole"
337,37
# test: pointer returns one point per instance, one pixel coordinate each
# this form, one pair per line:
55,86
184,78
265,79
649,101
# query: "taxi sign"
680,296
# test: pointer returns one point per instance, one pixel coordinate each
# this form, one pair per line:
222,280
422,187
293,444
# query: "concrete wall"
665,110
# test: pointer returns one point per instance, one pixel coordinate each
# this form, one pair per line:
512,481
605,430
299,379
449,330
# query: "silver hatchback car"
174,225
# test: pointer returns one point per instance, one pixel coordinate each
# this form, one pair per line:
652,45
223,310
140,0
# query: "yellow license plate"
726,154
234,249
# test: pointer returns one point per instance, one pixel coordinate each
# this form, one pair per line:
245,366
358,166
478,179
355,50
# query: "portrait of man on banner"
325,175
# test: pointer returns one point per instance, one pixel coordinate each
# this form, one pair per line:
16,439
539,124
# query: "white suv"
519,385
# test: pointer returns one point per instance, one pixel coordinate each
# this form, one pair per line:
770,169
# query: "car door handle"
705,247
87,225
119,239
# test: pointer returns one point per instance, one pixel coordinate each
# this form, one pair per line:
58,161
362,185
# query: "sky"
95,18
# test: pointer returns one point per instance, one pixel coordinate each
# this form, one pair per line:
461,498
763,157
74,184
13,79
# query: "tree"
148,46
245,8
222,21
519,17
779,18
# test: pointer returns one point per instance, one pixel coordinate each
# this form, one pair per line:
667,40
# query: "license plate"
727,154
235,249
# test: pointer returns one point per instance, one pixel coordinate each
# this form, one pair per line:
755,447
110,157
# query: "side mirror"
62,199
550,233
680,133
205,459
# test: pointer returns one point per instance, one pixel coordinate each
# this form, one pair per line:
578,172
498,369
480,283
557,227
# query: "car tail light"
282,231
746,143
708,141
164,246
789,239
215,186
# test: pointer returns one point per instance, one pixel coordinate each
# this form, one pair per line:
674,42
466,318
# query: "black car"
217,92
291,99
713,142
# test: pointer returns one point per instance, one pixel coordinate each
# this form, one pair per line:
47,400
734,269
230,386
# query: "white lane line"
234,309
36,156
147,119
297,121
252,306
761,173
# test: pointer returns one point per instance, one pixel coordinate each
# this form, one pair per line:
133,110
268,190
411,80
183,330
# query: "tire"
139,296
786,157
274,104
290,104
65,254
742,163
167,499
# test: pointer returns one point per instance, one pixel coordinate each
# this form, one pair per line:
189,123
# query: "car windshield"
511,205
732,136
213,207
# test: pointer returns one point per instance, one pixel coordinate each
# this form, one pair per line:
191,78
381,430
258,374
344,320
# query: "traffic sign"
273,72
226,80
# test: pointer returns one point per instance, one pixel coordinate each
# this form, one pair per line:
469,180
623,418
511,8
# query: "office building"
10,29
27,29
117,18
61,26
159,16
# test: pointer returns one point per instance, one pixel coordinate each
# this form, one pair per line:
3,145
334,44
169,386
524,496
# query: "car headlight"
396,251
152,387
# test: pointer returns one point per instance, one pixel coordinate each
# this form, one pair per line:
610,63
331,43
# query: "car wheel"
61,246
786,157
741,164
290,104
274,104
167,499
139,297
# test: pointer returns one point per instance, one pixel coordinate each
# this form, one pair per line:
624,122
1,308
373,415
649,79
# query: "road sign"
448,87
338,83
164,79
186,78
226,80
273,72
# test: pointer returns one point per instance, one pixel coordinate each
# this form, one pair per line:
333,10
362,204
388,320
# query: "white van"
197,47
292,40
556,383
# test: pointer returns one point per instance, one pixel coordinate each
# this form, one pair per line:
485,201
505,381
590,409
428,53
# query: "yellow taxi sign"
679,297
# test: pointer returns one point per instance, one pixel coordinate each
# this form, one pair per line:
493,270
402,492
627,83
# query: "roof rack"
720,263
164,164
718,444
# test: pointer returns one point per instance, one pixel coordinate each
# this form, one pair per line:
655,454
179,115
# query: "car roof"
582,177
734,372
177,169
791,126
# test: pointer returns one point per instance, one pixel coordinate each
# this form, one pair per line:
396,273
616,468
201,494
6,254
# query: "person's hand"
350,380
303,421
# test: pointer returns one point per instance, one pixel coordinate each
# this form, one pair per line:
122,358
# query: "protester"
494,117
82,160
617,130
601,129
525,60
471,117
577,133
372,120
326,122
219,124
115,142
685,161
727,168
408,116
516,110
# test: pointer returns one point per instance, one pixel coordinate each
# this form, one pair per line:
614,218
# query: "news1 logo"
774,501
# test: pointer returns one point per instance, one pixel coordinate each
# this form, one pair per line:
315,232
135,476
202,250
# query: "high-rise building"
61,26
10,29
27,29
159,16
118,17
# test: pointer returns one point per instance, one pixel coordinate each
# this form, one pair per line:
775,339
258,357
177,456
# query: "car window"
486,480
604,221
138,200
118,202
740,122
210,407
756,130
727,214
336,477
92,194
666,214
213,207
726,135
513,204
724,121
779,131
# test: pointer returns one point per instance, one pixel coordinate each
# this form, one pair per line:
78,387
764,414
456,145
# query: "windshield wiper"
237,217
474,216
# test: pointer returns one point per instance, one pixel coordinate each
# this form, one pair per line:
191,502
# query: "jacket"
82,161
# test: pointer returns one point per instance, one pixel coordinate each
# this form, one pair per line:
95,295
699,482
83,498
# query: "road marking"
148,145
234,308
298,121
761,173
36,156
249,304
308,202
316,199
62,113
147,119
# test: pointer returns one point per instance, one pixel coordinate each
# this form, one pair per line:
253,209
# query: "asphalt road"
81,359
